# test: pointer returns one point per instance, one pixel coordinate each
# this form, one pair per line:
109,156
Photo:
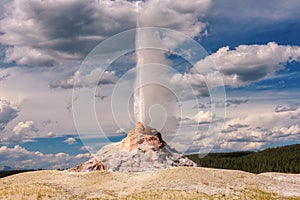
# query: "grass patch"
256,193
166,194
249,193
33,191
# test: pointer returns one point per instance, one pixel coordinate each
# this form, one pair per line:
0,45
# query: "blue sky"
255,46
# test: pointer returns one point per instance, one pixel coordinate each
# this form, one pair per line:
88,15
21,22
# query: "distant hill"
6,168
284,159
7,171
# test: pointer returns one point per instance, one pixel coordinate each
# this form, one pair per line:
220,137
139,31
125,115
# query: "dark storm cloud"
100,96
285,108
7,113
69,107
202,105
246,74
44,32
237,101
229,102
234,127
4,77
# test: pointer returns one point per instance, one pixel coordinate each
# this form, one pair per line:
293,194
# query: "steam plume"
153,101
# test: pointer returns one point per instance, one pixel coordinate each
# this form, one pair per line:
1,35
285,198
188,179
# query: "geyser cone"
142,150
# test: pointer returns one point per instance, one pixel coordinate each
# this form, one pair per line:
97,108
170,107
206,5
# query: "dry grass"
35,191
174,183
250,194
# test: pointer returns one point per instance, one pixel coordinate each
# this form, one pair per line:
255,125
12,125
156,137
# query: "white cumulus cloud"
202,117
250,63
292,130
22,132
70,141
19,157
94,78
24,127
177,15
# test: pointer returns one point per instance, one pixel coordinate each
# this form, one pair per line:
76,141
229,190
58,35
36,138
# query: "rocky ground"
170,183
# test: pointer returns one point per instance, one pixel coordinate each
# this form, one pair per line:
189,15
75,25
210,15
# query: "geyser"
142,150
151,87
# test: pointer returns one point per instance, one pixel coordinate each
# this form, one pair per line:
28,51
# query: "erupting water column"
153,100
139,98
149,90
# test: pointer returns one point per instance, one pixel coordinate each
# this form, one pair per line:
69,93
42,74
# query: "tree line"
12,172
284,159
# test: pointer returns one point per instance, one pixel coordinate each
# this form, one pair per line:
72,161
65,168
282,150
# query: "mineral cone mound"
142,150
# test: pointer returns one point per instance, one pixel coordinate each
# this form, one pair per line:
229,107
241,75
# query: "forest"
12,172
284,159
